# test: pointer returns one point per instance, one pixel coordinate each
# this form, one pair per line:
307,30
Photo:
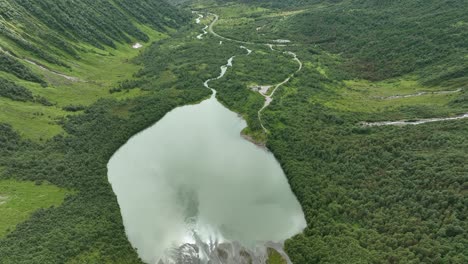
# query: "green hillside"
64,53
46,27
58,58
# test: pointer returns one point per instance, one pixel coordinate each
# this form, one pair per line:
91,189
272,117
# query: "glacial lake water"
191,179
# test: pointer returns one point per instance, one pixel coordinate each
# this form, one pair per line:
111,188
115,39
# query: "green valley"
318,82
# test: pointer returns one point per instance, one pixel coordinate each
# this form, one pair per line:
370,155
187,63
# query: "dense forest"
15,92
389,194
377,39
11,65
370,195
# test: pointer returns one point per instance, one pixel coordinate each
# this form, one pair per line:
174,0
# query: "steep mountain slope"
57,33
45,27
74,48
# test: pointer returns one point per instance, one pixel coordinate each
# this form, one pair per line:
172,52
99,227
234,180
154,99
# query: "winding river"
192,190
278,42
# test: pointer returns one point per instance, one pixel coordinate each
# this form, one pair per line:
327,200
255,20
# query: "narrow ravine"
413,122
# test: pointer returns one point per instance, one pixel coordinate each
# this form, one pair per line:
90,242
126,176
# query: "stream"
204,33
413,122
420,94
264,92
278,42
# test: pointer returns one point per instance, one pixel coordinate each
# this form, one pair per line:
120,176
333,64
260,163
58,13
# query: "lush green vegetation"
90,220
11,65
55,23
71,53
69,141
18,200
261,67
87,227
370,195
377,40
15,92
275,257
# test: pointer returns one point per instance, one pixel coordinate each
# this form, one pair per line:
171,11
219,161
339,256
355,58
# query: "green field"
18,200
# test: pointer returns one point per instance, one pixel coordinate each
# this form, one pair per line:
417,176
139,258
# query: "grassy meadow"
18,200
